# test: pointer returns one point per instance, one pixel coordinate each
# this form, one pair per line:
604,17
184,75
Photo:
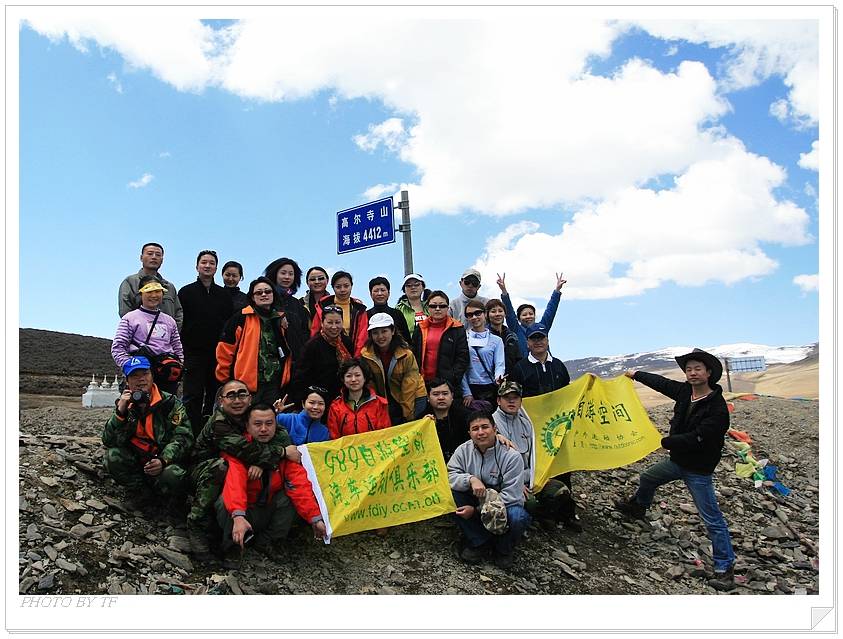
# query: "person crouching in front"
147,438
489,520
263,505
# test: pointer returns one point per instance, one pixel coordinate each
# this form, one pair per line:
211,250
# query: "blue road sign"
365,226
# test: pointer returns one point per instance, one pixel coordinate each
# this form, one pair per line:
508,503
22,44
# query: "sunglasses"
241,394
471,282
437,306
474,314
262,291
333,309
317,389
316,278
208,252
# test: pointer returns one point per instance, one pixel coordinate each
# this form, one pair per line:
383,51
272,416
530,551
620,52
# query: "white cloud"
389,133
689,234
496,116
780,109
379,190
141,182
164,154
178,51
760,49
808,283
115,82
811,159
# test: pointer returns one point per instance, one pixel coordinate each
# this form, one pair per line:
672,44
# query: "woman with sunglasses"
358,409
355,322
440,344
285,275
254,346
395,373
486,360
321,356
317,283
496,315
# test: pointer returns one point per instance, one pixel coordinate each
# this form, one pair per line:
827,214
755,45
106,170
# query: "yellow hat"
152,286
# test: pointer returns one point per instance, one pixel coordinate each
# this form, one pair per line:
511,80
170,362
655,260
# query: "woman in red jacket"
358,409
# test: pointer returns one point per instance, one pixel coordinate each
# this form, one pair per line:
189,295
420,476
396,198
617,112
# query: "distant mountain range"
62,363
664,358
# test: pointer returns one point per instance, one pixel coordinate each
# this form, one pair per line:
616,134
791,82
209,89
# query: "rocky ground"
78,536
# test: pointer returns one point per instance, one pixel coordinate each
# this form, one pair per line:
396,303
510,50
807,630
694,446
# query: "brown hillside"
53,363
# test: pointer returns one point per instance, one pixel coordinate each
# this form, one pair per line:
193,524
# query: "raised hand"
502,282
560,282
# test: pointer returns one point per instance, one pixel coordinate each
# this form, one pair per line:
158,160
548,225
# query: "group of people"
266,371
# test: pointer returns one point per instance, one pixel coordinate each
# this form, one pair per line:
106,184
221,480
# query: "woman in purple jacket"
150,327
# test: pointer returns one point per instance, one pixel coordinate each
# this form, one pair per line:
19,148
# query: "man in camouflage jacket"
148,437
225,432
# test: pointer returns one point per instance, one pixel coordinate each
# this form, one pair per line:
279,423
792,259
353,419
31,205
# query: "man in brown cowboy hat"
697,429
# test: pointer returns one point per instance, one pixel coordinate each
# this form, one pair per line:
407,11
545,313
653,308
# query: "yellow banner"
591,424
381,478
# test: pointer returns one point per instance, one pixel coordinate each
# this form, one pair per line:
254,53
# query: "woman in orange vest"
254,346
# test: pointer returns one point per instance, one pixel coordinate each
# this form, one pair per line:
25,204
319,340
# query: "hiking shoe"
723,581
504,562
472,554
631,508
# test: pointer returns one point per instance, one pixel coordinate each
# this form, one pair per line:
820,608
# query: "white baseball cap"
380,320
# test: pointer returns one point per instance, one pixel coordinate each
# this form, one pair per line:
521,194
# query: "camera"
141,397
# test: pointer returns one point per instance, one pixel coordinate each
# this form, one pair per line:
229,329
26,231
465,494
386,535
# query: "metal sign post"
404,228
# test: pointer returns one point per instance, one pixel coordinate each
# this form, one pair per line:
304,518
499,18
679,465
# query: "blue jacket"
518,328
302,429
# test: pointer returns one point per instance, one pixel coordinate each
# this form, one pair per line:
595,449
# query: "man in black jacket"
206,307
539,372
697,429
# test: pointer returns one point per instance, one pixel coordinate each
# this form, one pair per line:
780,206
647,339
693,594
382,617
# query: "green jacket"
222,433
403,305
172,434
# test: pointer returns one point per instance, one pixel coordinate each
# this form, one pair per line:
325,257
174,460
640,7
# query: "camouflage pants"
270,523
207,478
125,465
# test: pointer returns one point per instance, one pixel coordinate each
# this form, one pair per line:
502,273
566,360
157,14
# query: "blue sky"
666,168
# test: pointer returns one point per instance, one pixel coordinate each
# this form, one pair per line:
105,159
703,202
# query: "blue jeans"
701,488
477,535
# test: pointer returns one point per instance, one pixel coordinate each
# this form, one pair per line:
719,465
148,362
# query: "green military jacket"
223,433
171,429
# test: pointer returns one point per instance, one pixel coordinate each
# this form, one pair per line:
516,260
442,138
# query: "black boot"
723,581
631,508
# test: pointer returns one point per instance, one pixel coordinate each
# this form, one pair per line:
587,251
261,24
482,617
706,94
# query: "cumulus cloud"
690,234
164,154
141,182
808,283
389,133
811,159
178,51
759,49
496,116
